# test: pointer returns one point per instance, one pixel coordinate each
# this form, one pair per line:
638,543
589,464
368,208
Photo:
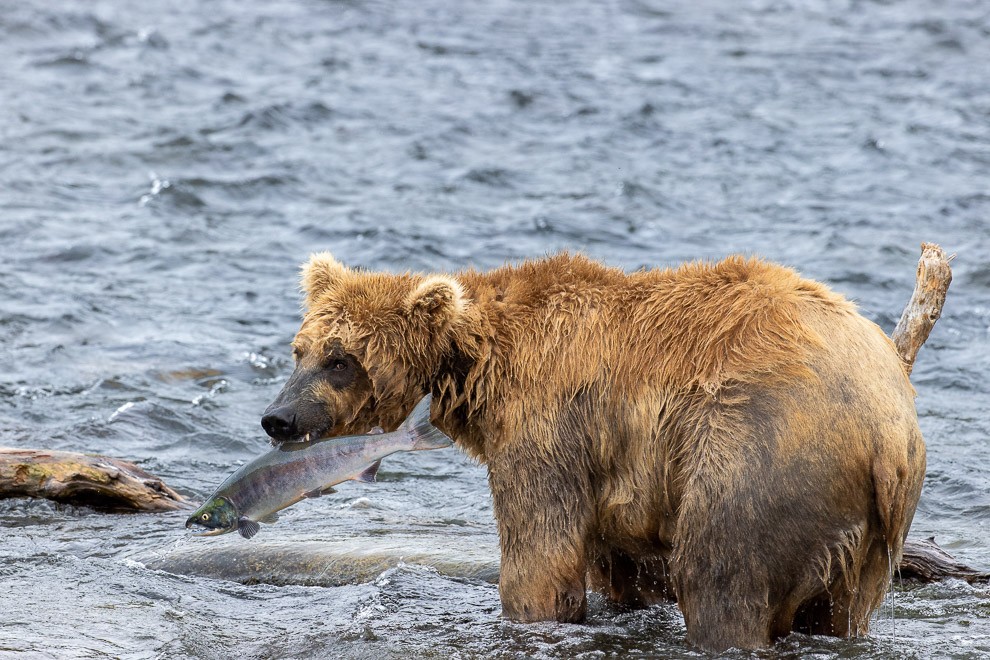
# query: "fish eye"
205,516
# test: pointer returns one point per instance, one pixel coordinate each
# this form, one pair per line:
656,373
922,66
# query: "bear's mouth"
321,433
313,436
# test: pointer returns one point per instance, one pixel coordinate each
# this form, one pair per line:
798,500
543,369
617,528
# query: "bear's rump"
790,468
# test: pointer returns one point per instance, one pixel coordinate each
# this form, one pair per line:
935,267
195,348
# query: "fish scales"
292,471
301,471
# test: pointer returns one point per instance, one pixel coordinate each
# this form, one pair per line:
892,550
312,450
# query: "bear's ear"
320,273
437,300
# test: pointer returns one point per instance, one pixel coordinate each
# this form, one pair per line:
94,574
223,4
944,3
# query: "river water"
166,167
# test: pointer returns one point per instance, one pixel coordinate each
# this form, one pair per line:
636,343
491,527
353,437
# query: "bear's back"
701,323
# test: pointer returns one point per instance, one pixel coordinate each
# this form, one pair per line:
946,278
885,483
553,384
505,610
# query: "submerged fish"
296,470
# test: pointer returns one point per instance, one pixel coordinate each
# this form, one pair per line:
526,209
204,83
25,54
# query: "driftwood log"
925,307
71,478
923,561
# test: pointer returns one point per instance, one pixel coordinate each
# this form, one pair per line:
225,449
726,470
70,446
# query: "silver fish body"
296,470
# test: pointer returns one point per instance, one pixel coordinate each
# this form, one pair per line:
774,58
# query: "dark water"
165,168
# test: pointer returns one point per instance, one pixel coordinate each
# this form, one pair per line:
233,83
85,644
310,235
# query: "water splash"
217,388
157,187
119,411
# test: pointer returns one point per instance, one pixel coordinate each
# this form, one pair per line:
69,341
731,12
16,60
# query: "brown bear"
726,434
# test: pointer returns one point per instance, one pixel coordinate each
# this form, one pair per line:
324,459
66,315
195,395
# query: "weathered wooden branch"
925,308
97,481
923,561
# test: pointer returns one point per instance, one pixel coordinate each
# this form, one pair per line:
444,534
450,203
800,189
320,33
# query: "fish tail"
422,433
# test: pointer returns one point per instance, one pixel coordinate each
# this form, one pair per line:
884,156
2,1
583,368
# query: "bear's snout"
280,423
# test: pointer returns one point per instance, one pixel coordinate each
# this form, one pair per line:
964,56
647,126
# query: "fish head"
367,345
218,516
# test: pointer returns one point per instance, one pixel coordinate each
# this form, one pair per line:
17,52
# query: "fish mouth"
212,532
192,524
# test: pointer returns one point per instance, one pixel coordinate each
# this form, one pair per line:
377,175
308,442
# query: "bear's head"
368,346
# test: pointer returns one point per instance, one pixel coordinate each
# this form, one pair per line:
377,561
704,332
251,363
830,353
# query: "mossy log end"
100,482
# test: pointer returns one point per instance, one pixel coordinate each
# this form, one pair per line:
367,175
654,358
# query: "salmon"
294,471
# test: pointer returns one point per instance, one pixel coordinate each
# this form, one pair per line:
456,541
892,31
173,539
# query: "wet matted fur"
729,435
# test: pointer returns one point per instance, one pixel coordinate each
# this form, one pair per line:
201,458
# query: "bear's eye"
340,370
296,354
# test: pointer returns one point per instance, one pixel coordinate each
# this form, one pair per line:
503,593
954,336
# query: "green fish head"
218,515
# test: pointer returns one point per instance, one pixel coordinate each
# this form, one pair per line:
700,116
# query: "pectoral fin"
247,527
376,430
368,475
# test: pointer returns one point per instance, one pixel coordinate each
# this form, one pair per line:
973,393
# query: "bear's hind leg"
744,561
715,624
844,610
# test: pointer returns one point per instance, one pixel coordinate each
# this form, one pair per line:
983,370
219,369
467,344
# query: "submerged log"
329,562
100,482
332,563
923,561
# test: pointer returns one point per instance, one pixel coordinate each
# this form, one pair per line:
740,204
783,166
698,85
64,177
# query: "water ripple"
167,167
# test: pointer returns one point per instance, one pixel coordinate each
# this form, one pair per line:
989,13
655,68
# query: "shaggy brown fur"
729,435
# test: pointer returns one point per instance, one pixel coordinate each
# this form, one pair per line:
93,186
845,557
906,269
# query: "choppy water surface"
165,167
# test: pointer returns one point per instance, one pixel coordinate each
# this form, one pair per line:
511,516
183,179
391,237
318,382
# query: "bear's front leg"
543,520
542,589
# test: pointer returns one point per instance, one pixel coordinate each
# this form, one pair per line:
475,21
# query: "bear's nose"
280,423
